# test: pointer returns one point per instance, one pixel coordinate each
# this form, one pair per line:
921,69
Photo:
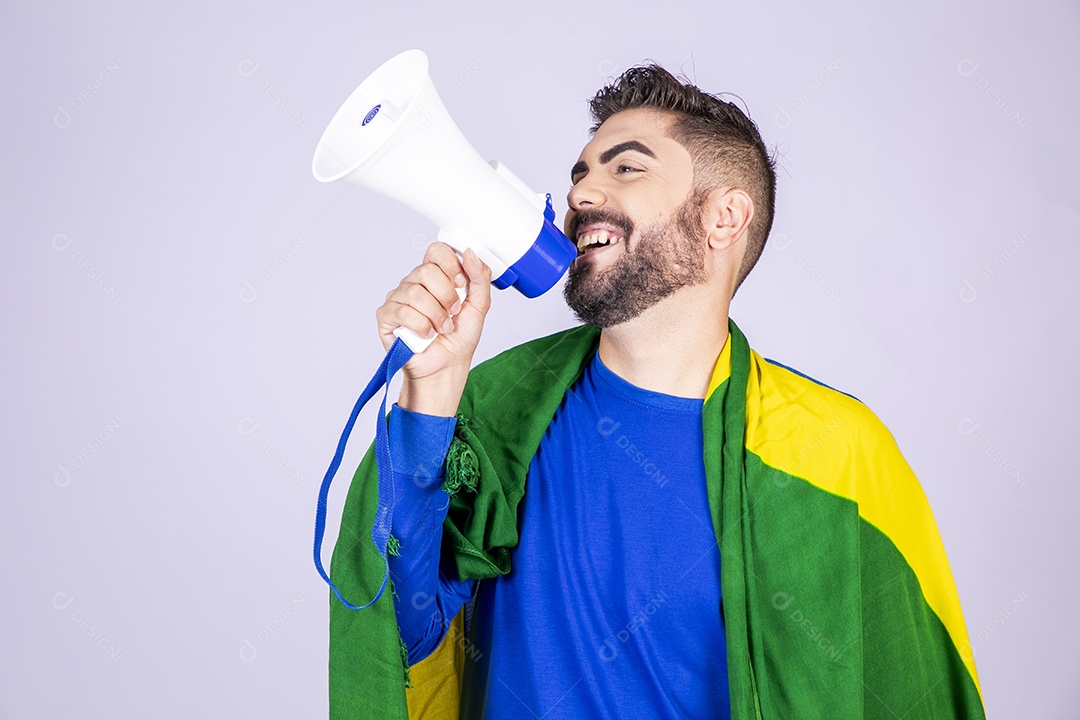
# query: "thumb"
479,286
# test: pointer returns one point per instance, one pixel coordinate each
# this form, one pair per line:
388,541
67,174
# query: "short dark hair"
723,142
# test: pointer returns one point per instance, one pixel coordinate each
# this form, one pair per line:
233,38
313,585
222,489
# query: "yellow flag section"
810,433
436,680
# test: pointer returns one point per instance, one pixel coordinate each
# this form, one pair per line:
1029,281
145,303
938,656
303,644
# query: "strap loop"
396,357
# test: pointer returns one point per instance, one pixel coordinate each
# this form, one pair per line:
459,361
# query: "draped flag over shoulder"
838,601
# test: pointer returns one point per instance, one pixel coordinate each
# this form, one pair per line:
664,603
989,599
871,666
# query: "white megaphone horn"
394,136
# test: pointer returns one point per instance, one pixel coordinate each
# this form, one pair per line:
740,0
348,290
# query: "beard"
663,258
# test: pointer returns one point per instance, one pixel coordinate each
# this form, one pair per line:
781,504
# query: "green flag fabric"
837,597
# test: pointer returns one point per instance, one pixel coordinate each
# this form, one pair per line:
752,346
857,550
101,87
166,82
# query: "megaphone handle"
419,344
416,343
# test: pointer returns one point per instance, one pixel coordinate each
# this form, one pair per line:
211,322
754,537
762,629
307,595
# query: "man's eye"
623,169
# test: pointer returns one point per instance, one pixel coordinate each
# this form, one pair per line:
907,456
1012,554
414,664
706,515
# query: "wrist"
436,394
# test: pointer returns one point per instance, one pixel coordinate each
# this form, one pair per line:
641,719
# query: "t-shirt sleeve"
426,598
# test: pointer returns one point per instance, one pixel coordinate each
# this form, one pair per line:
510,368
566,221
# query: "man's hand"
423,302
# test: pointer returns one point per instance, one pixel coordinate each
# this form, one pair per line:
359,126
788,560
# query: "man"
641,517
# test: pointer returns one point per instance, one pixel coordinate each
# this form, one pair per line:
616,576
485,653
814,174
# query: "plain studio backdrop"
189,315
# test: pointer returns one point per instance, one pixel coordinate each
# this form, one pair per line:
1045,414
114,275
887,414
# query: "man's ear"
728,215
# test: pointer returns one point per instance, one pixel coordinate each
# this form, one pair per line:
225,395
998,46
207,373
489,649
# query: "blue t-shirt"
612,606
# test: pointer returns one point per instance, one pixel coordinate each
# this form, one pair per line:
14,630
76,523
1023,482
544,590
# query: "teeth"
597,238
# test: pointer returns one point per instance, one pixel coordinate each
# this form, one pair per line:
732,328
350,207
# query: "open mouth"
594,237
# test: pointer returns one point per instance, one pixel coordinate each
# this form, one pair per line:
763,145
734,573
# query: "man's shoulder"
808,419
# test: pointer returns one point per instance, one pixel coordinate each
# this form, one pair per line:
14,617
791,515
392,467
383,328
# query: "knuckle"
415,293
436,251
429,272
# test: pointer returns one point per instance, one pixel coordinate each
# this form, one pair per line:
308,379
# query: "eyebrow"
610,154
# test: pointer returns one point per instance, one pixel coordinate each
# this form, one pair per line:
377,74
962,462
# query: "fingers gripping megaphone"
393,135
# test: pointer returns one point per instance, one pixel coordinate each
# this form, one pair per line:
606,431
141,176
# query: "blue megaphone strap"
396,357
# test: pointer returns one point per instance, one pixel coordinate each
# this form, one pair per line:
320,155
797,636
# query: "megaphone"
394,135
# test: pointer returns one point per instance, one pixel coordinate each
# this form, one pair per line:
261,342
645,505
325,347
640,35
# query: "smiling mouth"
593,238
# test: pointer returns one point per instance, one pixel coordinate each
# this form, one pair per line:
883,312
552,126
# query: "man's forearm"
425,601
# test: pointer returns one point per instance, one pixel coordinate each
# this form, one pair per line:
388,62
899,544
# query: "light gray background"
188,315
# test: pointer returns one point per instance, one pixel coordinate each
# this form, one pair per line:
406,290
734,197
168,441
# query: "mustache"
598,215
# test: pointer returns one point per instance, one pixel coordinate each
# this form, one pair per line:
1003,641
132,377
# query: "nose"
585,194
582,196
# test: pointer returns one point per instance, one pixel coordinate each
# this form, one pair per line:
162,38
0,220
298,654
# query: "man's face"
636,223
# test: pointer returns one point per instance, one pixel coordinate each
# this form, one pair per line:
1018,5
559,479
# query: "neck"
673,346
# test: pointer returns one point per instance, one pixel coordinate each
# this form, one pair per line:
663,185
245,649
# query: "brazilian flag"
838,601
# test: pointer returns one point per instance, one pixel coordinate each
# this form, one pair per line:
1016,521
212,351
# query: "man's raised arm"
421,427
